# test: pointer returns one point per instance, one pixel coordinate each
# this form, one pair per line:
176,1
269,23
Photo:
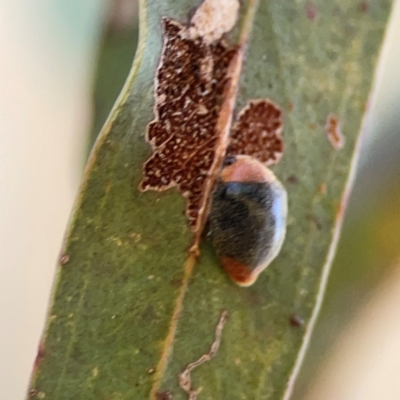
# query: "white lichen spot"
95,372
214,18
150,370
41,395
117,241
150,277
136,237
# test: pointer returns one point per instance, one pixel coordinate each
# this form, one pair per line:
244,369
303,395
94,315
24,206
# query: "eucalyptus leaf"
113,320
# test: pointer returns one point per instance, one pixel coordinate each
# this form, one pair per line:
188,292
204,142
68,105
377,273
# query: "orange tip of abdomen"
239,273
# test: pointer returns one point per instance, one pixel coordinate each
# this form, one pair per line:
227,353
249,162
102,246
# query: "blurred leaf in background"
369,246
47,53
115,59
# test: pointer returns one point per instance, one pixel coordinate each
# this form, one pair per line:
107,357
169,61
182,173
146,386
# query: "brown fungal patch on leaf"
334,132
189,89
257,132
195,90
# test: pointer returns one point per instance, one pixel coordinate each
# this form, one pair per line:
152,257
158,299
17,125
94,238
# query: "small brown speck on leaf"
364,6
176,282
333,132
312,126
163,396
311,11
32,392
293,179
323,188
257,132
296,321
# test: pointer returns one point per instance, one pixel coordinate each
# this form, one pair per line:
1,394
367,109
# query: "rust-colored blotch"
334,132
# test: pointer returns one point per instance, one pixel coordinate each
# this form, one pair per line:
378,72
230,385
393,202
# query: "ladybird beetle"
248,216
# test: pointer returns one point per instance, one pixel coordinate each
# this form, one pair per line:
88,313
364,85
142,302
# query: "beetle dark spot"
293,179
224,193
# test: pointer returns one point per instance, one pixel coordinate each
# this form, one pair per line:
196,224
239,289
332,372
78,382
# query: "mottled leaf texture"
189,94
257,132
128,316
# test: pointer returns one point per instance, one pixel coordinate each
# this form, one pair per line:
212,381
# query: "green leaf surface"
117,290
